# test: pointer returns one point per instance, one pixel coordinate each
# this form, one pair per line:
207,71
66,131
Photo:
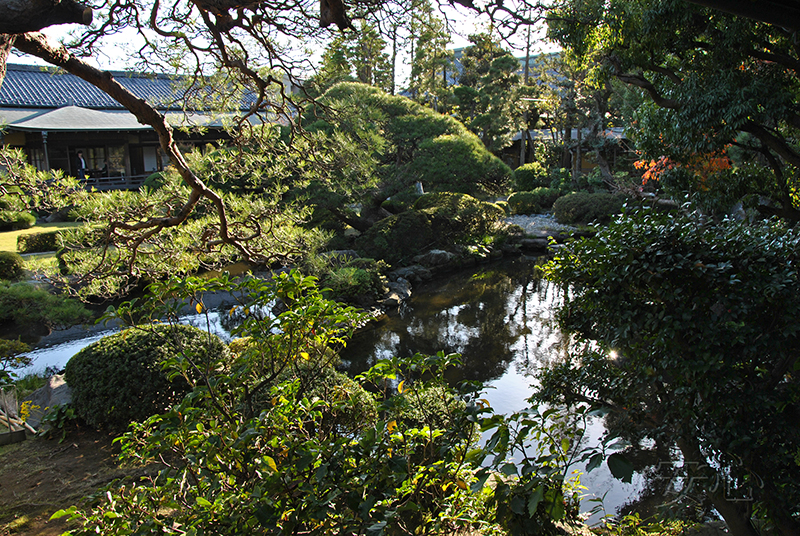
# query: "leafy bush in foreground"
687,331
257,447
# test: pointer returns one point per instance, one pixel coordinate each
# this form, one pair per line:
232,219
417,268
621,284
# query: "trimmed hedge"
119,379
13,221
583,207
38,242
533,202
11,265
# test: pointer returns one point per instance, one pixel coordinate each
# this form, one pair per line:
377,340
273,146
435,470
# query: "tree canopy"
715,81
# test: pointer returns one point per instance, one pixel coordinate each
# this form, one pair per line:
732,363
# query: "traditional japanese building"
52,115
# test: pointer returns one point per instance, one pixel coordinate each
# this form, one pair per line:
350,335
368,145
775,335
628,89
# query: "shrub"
561,179
397,238
119,379
11,265
528,177
350,282
155,181
458,163
12,221
459,217
27,304
38,242
583,207
532,202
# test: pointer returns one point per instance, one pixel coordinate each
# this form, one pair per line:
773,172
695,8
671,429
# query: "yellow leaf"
305,355
233,310
400,387
270,463
486,402
199,307
391,427
461,484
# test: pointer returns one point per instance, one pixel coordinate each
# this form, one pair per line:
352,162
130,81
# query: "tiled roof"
77,119
31,86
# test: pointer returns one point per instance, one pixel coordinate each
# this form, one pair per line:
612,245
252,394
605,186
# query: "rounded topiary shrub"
584,207
119,379
11,265
530,176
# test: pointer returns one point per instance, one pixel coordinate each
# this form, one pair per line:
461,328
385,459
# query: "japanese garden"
400,267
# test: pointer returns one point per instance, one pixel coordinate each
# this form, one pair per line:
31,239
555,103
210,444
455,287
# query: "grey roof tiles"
40,87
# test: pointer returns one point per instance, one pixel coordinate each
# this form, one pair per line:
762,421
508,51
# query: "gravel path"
537,224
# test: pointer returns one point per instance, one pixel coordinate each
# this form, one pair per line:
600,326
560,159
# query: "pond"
497,316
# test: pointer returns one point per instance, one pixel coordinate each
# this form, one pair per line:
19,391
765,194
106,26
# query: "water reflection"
497,317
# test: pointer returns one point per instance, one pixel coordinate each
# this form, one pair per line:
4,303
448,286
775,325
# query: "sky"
463,23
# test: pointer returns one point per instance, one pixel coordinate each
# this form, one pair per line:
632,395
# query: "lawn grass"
8,240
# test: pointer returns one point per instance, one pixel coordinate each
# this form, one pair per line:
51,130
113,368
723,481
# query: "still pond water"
497,316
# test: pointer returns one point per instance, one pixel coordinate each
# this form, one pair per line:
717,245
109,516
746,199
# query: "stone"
435,258
534,244
55,392
414,273
399,291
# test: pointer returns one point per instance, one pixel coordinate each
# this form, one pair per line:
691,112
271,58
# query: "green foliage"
693,343
272,440
460,217
119,379
180,249
533,202
633,525
25,304
155,181
370,141
398,238
12,220
488,96
438,220
61,418
458,163
585,207
11,358
561,179
528,177
706,78
350,282
39,242
11,265
26,188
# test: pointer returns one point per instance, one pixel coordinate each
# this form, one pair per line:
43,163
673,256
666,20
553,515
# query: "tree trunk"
6,42
735,513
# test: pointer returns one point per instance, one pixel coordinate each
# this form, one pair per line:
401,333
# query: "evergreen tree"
488,97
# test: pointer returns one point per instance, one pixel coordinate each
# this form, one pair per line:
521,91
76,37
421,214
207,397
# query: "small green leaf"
534,500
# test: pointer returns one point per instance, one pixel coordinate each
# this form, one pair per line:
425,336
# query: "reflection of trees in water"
492,318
